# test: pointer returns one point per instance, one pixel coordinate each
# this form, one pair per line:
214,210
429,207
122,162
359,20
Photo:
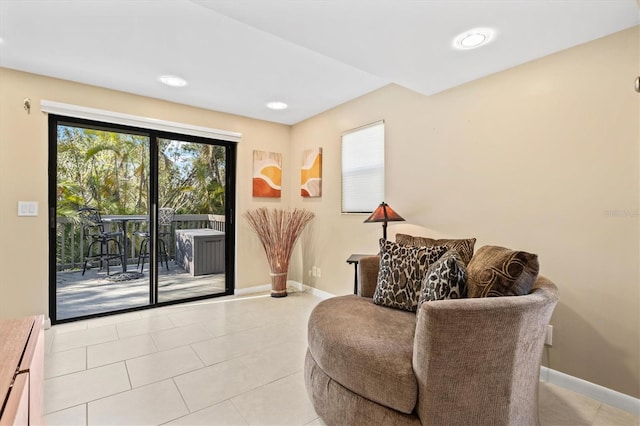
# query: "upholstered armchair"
454,362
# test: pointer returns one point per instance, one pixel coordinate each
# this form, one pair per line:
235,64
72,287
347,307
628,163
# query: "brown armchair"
457,362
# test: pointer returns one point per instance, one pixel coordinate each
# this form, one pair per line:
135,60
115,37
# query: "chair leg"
121,255
140,253
143,253
87,256
105,255
102,254
164,253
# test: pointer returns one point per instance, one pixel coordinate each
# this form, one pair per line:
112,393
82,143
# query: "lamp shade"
383,213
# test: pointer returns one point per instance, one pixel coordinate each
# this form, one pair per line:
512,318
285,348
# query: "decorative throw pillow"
464,246
499,271
402,269
446,278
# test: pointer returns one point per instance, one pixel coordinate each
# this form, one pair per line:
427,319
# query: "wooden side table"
355,260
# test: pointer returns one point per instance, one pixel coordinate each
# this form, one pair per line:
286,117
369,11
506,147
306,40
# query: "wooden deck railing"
71,244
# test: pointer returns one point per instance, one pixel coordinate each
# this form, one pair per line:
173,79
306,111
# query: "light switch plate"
27,208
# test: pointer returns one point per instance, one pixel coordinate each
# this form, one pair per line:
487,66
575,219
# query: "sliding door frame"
154,135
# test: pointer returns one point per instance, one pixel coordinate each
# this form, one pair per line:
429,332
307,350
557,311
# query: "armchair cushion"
402,269
366,348
464,246
499,271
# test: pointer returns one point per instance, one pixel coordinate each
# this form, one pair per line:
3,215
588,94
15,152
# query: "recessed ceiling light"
473,38
173,81
277,105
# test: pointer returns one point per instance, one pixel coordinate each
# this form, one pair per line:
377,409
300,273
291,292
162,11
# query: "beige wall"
532,158
23,176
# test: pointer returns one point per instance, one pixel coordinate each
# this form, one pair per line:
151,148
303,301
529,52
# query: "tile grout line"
184,401
96,399
126,367
239,411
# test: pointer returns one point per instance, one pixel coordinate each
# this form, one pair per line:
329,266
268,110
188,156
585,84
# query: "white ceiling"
237,55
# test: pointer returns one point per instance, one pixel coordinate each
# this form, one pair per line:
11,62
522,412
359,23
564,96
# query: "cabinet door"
33,361
16,411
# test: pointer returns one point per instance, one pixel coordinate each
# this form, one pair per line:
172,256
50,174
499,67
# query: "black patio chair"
107,242
165,220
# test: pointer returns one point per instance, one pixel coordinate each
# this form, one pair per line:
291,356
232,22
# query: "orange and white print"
267,174
311,173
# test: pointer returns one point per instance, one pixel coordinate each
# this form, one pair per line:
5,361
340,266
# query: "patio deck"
93,293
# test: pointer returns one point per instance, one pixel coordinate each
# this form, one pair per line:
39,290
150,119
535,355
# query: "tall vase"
278,284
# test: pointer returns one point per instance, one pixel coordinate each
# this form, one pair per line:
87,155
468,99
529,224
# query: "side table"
355,260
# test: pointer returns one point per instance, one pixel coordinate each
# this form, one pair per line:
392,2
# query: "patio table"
123,220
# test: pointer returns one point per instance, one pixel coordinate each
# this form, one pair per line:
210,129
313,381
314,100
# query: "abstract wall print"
311,173
267,174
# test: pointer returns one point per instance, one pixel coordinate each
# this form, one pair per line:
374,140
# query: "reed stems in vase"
278,230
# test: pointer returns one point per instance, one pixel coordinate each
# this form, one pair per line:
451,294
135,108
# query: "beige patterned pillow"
464,247
499,271
402,269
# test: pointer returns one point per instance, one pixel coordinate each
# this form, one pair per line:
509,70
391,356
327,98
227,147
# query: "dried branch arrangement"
278,231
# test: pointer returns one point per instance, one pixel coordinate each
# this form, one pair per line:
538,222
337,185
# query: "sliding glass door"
191,185
138,218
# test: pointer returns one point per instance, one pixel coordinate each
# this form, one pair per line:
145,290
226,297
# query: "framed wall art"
267,174
311,173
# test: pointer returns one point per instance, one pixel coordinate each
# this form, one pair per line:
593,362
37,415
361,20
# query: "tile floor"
225,361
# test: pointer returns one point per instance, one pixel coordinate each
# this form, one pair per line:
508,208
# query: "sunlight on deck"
93,293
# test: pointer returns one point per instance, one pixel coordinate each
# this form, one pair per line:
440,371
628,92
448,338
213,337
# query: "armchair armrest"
480,358
368,275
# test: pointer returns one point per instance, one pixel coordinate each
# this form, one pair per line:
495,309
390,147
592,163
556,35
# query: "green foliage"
110,171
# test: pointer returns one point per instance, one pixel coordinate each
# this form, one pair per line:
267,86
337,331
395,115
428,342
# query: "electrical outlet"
549,338
318,272
314,271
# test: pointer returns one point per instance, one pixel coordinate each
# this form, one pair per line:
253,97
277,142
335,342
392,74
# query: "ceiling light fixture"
173,81
473,38
277,105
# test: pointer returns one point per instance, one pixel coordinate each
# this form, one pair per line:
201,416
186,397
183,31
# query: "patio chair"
165,220
109,247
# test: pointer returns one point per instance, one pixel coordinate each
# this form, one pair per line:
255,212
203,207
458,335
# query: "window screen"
363,168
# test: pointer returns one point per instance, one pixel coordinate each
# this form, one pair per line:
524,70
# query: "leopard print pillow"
402,269
445,279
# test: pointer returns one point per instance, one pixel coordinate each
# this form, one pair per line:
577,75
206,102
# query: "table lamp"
383,213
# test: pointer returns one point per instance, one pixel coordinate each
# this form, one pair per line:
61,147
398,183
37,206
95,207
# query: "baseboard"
319,293
597,392
290,285
254,289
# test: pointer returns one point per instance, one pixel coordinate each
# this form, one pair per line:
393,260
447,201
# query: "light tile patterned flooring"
226,361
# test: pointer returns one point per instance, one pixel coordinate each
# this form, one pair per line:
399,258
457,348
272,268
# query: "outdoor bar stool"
93,228
165,220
